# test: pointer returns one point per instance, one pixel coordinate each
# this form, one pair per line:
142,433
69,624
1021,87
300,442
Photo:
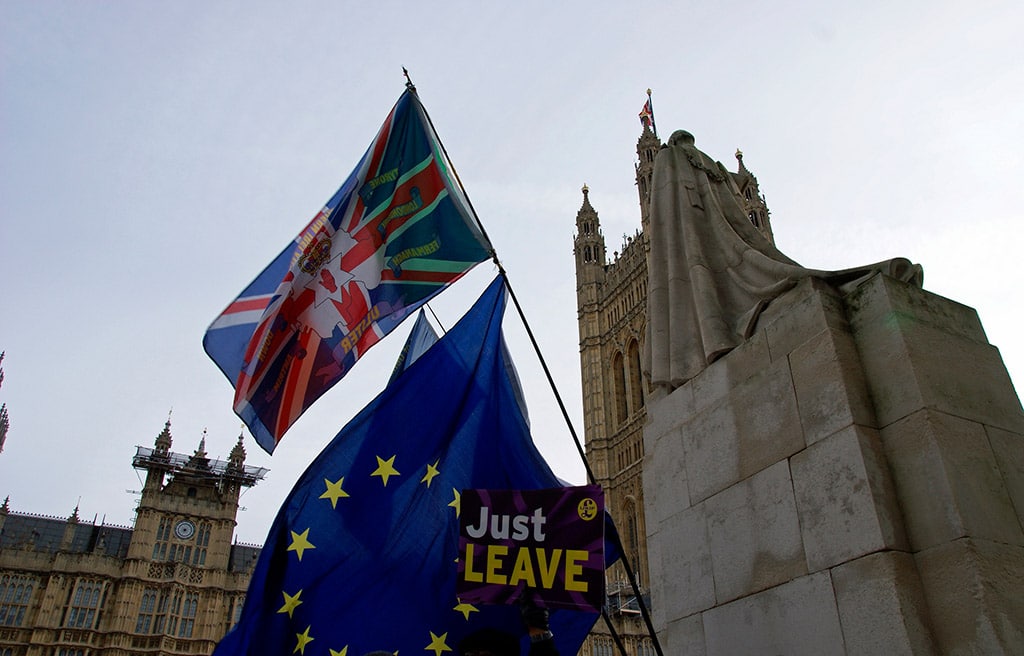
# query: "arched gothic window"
619,381
636,390
632,537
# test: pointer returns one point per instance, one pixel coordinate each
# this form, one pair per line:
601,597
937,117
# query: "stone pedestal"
850,480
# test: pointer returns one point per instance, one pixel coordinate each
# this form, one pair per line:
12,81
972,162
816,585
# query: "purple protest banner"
547,545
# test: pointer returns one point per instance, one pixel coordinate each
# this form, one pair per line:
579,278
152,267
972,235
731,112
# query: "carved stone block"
754,533
846,499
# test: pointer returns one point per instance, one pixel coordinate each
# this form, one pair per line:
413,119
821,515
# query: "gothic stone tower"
611,301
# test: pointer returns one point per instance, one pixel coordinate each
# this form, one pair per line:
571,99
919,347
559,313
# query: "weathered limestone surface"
684,637
798,617
846,499
949,481
754,534
973,589
849,480
919,350
881,605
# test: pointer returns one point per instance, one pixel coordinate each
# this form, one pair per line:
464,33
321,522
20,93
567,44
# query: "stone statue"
711,272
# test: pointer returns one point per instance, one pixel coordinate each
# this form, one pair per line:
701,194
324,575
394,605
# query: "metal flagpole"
558,397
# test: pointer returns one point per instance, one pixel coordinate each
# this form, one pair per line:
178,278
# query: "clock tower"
189,503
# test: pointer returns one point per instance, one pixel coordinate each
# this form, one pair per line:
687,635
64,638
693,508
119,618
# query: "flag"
647,115
362,555
397,232
420,339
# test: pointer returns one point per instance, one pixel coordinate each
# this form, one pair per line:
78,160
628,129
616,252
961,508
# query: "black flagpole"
558,397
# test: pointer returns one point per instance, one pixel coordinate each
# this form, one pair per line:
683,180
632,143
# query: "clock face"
184,530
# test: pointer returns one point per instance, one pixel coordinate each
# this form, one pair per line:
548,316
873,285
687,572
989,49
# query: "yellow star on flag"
465,609
303,640
291,602
385,469
343,652
334,491
432,471
456,503
437,644
300,542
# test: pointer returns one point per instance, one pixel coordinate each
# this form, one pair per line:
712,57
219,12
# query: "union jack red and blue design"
647,114
396,233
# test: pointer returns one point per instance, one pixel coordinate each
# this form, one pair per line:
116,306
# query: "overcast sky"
154,157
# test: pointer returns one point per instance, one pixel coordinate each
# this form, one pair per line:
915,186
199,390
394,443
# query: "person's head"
489,642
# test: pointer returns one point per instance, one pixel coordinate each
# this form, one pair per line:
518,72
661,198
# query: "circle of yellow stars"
300,544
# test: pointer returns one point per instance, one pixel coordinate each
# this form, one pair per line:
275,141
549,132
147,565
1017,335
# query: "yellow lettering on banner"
573,568
548,569
528,564
494,555
523,569
471,576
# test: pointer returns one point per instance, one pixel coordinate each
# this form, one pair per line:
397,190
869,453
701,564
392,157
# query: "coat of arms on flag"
396,233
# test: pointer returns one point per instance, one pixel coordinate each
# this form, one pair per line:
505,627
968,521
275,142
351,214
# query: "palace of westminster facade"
175,583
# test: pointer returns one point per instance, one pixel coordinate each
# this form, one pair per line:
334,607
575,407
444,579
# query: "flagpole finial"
648,92
408,80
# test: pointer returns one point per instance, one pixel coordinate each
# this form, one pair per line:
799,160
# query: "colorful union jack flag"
396,233
647,114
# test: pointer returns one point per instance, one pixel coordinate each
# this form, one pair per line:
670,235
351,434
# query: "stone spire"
647,147
67,540
163,440
742,168
236,460
753,201
200,459
588,246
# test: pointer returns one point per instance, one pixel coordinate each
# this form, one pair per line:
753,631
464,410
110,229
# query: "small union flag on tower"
647,114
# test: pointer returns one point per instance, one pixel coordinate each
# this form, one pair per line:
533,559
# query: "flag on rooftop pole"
362,554
647,114
396,233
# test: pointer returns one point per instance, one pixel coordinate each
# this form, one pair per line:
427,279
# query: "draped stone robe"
711,272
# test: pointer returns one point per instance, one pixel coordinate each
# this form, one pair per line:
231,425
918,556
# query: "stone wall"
850,480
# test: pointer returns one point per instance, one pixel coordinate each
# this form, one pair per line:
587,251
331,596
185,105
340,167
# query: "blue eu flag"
362,555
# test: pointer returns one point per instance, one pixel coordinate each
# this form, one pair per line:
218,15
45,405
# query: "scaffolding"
197,467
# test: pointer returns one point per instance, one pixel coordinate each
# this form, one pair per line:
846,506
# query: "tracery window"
645,648
636,389
163,534
160,616
147,608
236,611
202,542
632,536
15,596
84,607
188,615
619,383
174,612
